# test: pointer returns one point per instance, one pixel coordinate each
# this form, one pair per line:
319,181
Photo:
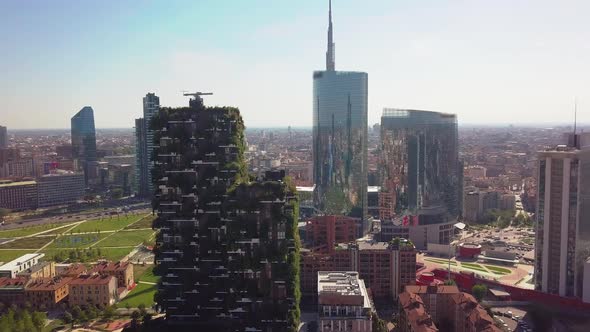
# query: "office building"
144,145
60,188
3,137
84,139
227,248
343,303
340,102
18,195
420,161
18,265
95,289
327,231
562,243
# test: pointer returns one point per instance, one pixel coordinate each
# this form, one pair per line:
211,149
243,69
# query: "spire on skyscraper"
330,56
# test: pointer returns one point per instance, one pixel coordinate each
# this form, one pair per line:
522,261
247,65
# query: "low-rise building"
12,291
18,195
60,188
41,270
47,292
21,264
343,303
123,271
93,289
70,270
413,315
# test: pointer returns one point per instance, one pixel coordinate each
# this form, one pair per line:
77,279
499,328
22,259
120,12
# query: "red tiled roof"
94,279
12,282
110,267
47,284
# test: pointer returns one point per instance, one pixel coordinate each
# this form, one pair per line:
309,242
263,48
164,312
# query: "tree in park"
108,313
142,310
479,291
3,214
39,319
135,320
68,318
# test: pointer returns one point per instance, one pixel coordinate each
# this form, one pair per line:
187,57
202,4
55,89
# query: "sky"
490,62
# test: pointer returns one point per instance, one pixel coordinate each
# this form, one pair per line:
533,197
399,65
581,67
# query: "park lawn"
27,243
59,230
26,231
8,255
77,241
498,270
471,266
111,223
112,254
440,261
142,293
148,275
145,222
126,238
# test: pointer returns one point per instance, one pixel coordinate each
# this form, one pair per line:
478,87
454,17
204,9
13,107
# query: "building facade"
343,303
227,249
93,289
144,145
47,293
84,139
420,160
3,137
123,271
340,104
18,195
18,265
60,188
562,243
327,231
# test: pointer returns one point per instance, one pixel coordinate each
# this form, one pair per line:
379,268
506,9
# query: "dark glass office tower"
228,247
420,164
144,138
84,138
340,102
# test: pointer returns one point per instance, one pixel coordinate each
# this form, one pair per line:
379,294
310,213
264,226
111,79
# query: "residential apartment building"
430,308
327,231
93,289
562,243
12,290
227,257
144,145
46,293
40,270
385,267
343,303
123,271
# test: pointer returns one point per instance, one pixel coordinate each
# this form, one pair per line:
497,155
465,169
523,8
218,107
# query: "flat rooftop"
21,260
343,284
15,184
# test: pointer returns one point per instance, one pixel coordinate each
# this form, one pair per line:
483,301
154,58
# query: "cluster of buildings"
477,202
45,285
441,308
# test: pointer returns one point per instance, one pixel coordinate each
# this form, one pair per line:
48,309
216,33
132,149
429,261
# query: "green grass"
142,293
8,255
440,261
59,230
77,241
27,243
472,266
113,254
498,270
145,222
25,231
148,275
106,224
126,238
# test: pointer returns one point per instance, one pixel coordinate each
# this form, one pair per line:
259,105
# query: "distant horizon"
488,125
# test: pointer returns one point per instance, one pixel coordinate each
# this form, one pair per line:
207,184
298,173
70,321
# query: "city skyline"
483,62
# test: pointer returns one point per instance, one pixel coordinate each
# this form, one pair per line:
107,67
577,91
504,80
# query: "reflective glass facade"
420,160
84,138
340,142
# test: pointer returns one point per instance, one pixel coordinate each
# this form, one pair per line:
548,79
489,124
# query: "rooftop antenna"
196,100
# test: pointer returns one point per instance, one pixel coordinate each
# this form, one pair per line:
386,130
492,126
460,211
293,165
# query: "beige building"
47,292
123,271
40,270
343,303
93,289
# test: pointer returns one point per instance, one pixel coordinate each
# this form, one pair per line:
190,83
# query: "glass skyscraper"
144,145
340,102
420,164
84,138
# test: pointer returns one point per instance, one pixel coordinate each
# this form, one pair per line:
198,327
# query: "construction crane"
196,100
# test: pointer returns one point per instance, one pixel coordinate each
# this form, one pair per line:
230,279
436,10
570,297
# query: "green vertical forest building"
228,249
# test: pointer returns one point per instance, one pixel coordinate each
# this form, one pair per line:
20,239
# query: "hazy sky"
489,61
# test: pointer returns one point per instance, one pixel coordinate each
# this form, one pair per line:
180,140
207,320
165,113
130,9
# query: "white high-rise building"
562,243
